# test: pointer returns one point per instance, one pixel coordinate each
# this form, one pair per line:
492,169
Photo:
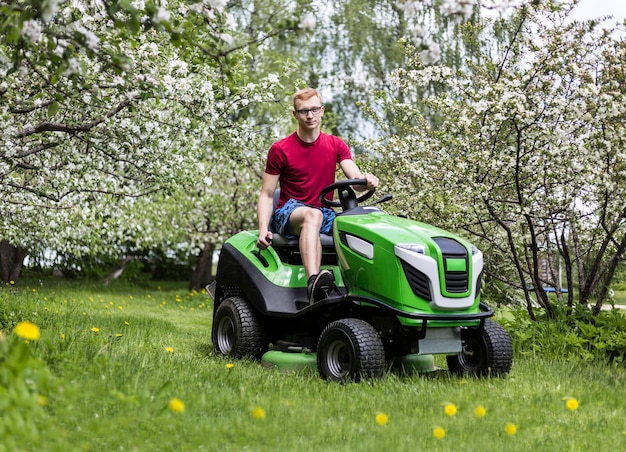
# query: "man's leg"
306,223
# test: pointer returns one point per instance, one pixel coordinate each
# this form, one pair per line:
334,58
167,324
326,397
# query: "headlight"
413,247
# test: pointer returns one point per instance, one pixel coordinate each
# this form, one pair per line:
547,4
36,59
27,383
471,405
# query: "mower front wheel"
237,329
486,352
350,350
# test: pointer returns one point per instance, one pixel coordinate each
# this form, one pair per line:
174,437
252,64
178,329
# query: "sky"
591,9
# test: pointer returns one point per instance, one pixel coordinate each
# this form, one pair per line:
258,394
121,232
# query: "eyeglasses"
306,111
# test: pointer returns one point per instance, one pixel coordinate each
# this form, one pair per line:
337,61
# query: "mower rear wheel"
486,352
350,350
237,330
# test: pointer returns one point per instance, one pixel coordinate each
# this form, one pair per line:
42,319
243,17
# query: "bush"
577,335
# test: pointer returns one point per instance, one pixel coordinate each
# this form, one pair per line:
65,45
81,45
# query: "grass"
619,297
118,355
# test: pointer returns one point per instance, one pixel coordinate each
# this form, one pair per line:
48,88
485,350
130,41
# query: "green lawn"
110,361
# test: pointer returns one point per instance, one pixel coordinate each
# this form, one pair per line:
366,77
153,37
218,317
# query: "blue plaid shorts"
280,218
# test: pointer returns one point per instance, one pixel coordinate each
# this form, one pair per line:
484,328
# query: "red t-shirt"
305,168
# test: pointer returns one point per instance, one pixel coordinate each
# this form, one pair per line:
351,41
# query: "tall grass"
131,368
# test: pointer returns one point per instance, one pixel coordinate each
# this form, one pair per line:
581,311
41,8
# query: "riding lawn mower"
405,290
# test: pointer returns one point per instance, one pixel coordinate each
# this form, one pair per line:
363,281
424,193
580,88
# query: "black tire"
237,330
350,350
486,352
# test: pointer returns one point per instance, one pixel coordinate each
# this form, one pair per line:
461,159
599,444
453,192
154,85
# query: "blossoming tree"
108,109
528,158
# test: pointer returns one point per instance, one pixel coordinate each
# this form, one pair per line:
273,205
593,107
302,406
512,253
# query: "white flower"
32,30
50,9
178,66
162,15
228,39
139,5
91,40
230,22
308,22
432,53
219,5
119,81
60,48
461,7
413,8
73,66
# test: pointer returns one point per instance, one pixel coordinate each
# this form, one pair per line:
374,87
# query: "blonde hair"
306,94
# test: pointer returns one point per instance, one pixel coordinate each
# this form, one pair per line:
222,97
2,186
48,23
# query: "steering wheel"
347,196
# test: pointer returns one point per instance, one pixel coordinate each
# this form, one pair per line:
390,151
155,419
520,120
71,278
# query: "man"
304,163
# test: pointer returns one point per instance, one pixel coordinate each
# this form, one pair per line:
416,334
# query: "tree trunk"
11,261
118,271
203,271
606,281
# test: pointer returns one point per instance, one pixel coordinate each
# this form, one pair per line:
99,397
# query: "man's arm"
352,171
265,209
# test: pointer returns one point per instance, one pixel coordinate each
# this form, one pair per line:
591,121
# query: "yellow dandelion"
126,323
571,403
258,413
176,405
28,331
450,409
42,400
95,329
510,429
169,349
119,335
121,308
11,282
439,433
381,418
230,366
480,411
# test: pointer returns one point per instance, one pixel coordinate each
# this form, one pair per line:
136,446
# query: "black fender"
236,275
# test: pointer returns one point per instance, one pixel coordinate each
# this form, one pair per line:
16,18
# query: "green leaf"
53,108
13,34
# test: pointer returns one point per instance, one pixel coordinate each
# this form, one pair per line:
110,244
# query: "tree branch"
46,126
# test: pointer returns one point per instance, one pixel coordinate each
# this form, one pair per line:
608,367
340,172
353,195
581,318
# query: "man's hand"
372,181
265,240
